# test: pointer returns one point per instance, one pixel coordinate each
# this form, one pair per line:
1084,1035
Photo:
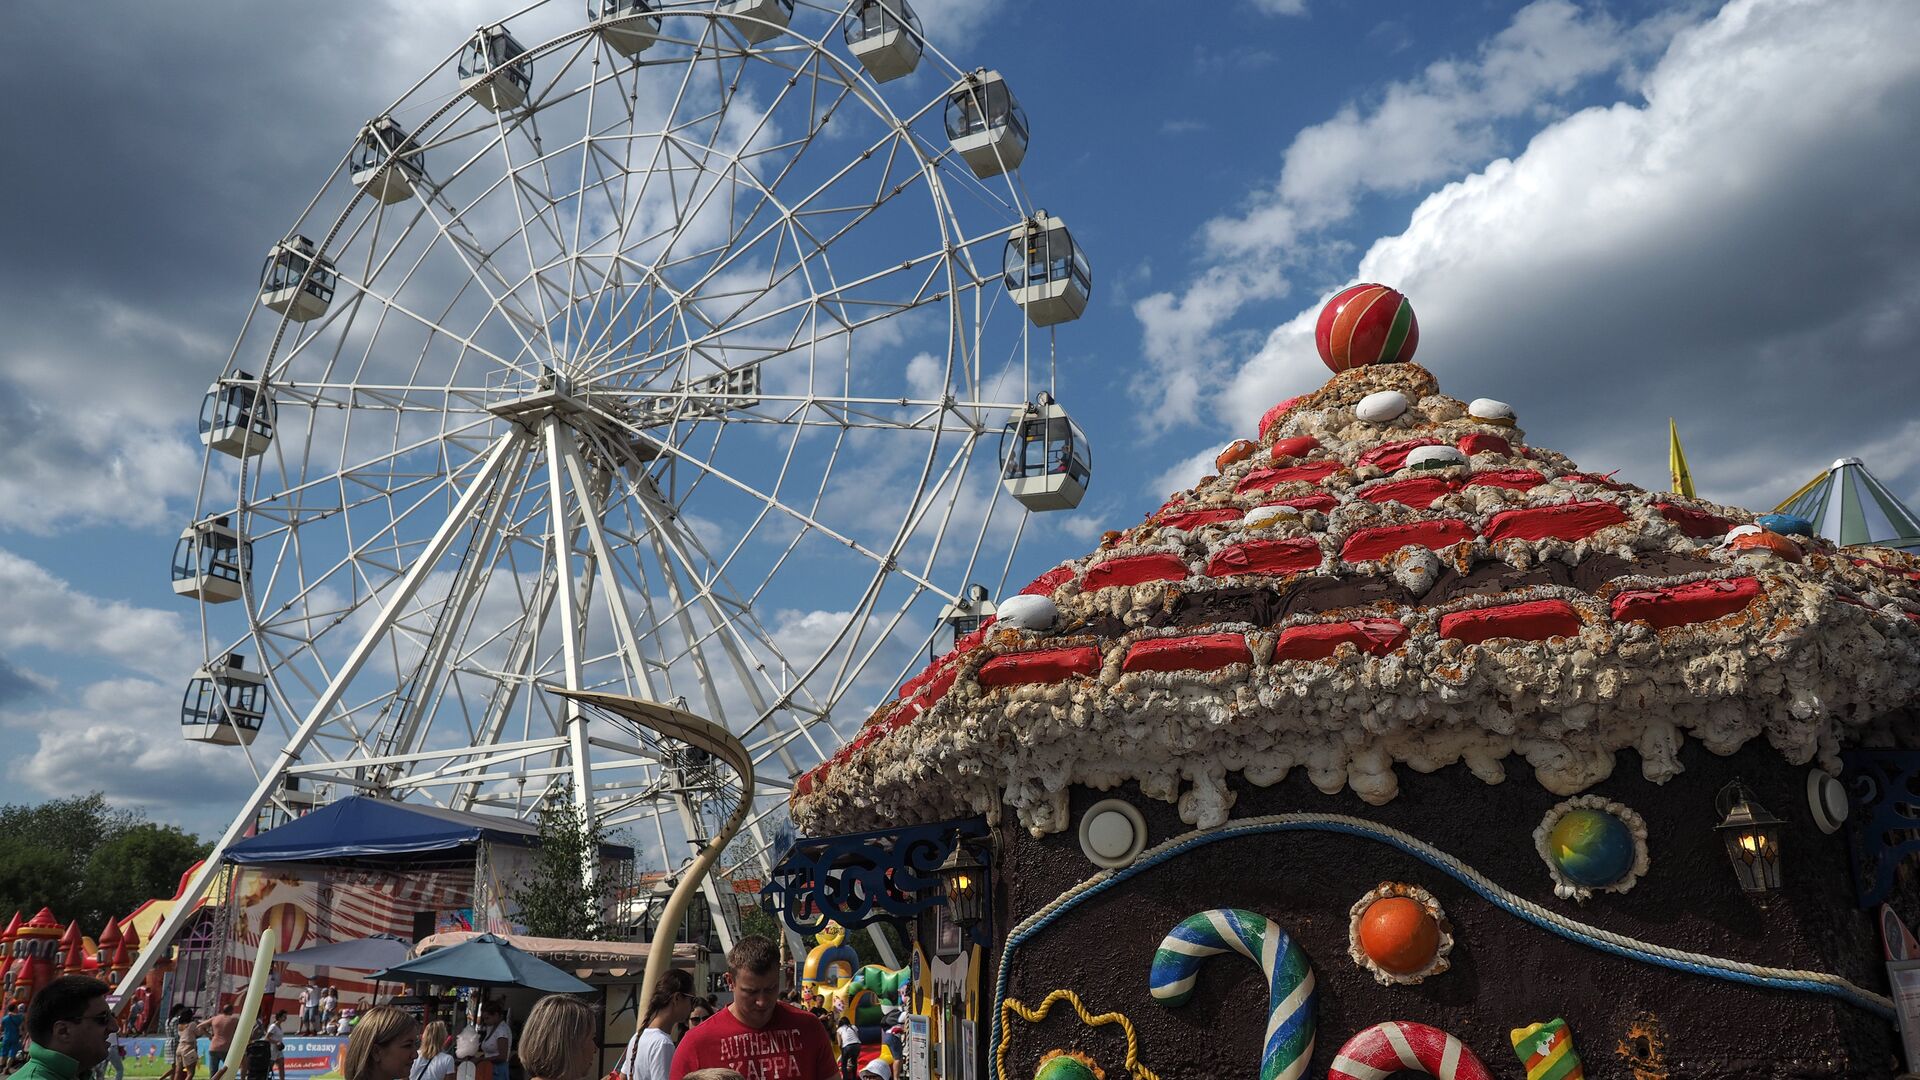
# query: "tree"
557,899
145,860
87,859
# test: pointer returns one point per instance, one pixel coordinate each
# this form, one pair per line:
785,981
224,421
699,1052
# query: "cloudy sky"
1605,213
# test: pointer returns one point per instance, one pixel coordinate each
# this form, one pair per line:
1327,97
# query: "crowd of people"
69,1032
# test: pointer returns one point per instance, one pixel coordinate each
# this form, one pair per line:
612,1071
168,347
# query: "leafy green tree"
757,923
556,899
143,861
87,859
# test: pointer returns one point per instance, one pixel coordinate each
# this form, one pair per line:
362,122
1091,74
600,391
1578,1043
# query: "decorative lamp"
962,883
1752,836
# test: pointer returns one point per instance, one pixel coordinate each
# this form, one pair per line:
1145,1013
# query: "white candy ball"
1262,517
1486,408
1381,407
1434,457
1028,612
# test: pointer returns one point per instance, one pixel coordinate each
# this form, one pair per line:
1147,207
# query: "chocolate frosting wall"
1629,1020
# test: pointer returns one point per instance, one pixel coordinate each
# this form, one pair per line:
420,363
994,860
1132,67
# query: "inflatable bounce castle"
1406,746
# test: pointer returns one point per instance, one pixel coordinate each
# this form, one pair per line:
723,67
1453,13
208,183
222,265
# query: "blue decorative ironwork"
1884,824
862,878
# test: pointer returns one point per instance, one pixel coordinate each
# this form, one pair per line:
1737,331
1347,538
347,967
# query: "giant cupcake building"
1439,741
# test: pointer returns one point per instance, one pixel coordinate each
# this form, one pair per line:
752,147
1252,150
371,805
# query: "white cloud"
1186,472
1432,126
116,733
1736,252
122,737
1179,341
1419,131
1280,7
952,24
44,612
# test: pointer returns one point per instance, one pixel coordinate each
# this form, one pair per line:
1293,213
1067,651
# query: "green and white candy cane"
1290,993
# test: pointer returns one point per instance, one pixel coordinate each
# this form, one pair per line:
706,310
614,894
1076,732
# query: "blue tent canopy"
361,826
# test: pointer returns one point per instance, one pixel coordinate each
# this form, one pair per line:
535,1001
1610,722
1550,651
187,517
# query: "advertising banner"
307,1058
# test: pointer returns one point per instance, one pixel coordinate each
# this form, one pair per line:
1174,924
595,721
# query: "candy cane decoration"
1290,994
1384,1049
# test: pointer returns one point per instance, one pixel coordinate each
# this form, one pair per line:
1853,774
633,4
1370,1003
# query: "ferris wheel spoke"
673,546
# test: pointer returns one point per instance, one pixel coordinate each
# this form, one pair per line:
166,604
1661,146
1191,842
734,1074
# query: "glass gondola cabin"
626,25
493,51
962,617
236,417
985,125
1047,460
387,162
211,562
1046,272
225,703
758,20
296,282
885,36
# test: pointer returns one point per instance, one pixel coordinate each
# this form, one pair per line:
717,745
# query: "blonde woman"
561,1040
434,1061
382,1045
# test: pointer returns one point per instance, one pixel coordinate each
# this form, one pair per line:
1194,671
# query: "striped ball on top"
1366,324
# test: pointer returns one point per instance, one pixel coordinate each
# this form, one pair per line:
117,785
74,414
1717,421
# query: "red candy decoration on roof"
1273,415
1366,324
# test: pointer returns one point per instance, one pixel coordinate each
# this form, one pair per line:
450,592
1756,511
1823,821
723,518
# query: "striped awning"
1850,506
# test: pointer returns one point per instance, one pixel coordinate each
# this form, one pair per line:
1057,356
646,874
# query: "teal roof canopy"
1850,506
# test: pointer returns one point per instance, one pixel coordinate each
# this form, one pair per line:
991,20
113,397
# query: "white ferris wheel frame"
481,495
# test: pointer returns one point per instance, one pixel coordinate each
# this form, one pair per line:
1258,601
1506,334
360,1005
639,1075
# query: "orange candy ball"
1399,934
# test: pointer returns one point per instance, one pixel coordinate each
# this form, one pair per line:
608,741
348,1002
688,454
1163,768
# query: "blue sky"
1605,214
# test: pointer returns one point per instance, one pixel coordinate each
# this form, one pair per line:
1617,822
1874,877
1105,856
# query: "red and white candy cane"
1385,1049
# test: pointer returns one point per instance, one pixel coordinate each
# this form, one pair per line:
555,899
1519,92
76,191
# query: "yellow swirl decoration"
1010,1007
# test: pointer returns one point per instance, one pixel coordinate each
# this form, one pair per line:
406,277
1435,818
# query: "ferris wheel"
672,356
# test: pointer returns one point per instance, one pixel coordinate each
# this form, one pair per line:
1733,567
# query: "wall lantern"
962,879
1752,836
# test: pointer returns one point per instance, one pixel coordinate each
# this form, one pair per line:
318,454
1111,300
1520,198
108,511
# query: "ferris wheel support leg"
623,628
162,937
410,736
560,535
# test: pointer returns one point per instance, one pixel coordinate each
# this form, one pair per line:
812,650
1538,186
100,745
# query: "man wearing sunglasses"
68,1022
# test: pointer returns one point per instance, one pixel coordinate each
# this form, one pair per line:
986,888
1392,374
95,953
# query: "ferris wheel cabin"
493,51
236,417
387,161
885,36
962,617
626,25
1047,460
1046,272
225,703
758,20
297,282
985,125
211,562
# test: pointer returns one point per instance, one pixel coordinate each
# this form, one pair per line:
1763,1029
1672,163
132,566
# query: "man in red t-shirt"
758,1035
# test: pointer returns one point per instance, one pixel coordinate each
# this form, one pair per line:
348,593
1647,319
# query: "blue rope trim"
1497,898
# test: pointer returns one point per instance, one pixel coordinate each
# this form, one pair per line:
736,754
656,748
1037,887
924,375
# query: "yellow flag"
1677,462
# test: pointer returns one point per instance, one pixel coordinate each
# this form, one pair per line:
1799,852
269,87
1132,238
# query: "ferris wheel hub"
553,396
